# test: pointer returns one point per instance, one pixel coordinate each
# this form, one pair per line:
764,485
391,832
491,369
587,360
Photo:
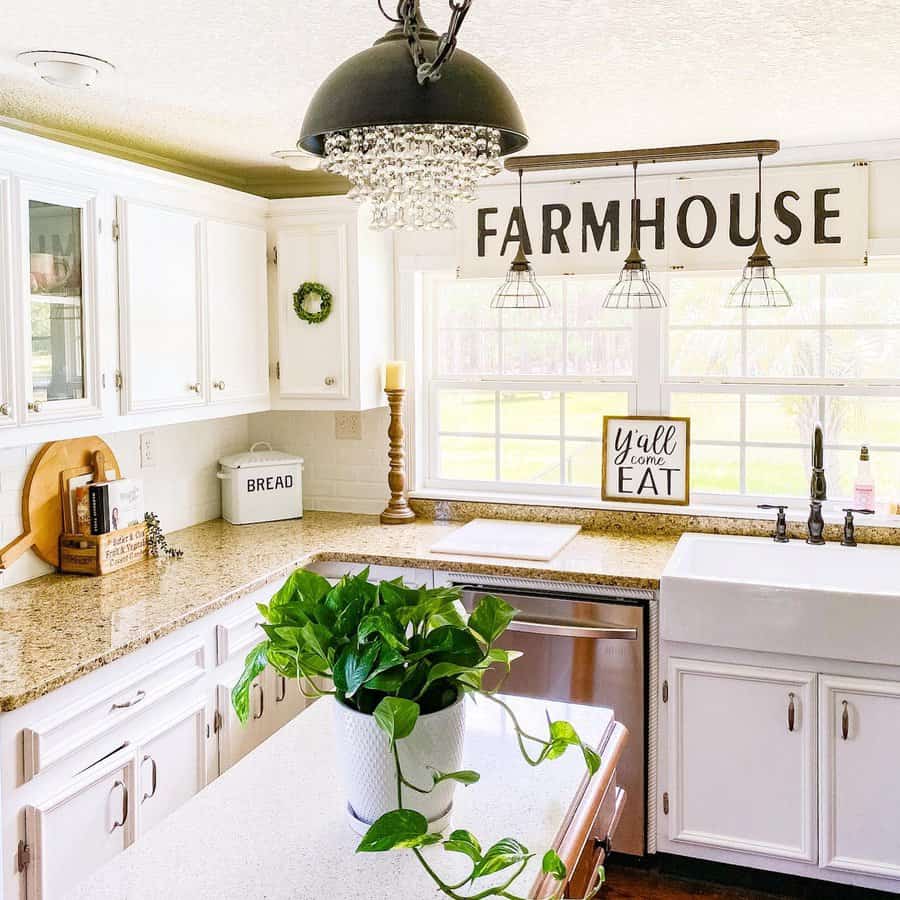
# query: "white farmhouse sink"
751,593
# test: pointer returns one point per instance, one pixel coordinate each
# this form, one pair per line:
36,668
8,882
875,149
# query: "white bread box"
261,486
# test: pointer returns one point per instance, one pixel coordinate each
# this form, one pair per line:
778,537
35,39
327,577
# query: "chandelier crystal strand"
413,175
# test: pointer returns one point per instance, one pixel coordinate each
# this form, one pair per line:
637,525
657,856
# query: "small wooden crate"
97,554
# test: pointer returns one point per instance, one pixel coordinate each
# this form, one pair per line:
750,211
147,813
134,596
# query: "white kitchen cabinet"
287,701
237,312
334,364
160,307
859,788
237,739
7,368
742,758
55,302
73,833
171,765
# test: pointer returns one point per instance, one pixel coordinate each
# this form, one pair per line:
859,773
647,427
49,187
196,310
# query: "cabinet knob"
329,381
35,406
194,387
4,409
219,385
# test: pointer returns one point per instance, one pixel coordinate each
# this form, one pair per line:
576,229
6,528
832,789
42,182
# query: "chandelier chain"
430,70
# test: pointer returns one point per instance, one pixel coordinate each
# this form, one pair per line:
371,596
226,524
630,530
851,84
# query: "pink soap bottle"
864,486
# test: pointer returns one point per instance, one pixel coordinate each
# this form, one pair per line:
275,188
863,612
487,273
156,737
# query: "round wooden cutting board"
42,518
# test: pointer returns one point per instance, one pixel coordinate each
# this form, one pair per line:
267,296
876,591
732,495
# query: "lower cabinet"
742,758
859,787
75,832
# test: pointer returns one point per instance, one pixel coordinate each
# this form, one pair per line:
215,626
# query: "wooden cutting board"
42,518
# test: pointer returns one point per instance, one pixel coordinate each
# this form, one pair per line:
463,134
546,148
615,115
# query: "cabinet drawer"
101,713
239,633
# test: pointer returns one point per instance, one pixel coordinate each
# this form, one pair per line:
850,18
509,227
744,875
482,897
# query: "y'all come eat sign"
646,459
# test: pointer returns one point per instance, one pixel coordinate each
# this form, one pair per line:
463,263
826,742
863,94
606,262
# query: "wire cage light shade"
520,289
759,287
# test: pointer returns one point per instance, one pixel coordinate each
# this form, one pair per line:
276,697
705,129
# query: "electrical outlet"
348,426
148,449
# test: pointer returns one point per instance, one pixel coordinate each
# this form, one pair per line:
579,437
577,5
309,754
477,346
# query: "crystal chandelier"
634,289
758,287
413,123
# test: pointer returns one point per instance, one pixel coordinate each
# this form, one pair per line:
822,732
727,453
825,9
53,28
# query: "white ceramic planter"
368,763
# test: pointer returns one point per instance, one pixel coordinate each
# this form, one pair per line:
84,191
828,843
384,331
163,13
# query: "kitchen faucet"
815,524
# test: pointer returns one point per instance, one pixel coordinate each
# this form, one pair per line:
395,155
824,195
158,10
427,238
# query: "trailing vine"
157,545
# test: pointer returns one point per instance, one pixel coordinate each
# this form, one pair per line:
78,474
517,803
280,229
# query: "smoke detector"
63,69
298,159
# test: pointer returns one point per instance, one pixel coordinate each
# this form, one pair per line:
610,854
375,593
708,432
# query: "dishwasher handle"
591,632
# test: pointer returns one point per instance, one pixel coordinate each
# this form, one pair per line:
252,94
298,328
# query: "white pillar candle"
395,376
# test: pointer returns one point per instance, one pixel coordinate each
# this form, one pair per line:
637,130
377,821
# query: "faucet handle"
849,538
780,536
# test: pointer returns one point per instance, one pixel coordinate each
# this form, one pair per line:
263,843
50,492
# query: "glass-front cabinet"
59,313
7,341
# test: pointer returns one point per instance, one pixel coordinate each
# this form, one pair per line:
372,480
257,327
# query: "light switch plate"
348,426
148,449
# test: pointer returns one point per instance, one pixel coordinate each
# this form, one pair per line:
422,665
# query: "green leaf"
465,776
396,717
462,841
240,694
502,855
381,622
356,665
591,759
302,585
444,670
387,682
395,830
506,657
553,865
563,731
491,617
449,644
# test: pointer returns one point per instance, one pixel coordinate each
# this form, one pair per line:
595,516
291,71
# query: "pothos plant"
396,653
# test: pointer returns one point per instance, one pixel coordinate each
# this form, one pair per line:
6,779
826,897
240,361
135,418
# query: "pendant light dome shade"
414,149
520,289
759,287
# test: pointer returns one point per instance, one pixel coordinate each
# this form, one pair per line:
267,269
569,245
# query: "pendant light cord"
759,195
520,194
634,210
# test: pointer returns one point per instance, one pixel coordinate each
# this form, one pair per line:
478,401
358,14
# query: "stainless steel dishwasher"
587,647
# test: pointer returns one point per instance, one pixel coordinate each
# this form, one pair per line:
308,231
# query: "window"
515,399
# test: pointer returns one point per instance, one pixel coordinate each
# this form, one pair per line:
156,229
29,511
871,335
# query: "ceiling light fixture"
413,122
63,69
634,289
758,287
520,289
298,159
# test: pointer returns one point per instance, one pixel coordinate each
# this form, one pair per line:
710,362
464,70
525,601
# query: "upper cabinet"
192,309
55,298
7,370
237,312
160,307
335,363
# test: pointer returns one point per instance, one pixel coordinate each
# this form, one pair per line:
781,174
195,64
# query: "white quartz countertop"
274,826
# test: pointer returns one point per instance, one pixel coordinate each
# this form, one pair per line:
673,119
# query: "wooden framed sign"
646,459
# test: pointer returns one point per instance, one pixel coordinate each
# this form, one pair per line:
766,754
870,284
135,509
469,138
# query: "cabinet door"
58,303
237,311
313,357
8,405
859,728
287,701
77,831
160,307
236,740
172,765
742,758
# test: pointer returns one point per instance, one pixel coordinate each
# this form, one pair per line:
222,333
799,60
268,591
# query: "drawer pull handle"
281,689
791,711
194,387
35,406
262,702
219,385
329,381
4,409
137,698
119,823
845,720
152,793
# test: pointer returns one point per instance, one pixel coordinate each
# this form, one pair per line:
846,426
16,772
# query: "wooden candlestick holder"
398,511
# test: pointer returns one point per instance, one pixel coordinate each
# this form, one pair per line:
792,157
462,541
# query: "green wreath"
302,292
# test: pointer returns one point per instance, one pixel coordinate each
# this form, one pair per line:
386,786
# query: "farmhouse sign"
813,215
646,459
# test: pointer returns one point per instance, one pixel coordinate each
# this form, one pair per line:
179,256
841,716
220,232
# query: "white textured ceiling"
223,84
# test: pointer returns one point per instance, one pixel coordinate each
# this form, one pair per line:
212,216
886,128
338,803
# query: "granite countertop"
58,627
275,824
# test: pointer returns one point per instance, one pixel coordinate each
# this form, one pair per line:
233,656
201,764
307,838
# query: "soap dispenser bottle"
864,486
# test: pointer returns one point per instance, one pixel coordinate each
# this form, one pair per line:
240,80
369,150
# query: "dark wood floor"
627,883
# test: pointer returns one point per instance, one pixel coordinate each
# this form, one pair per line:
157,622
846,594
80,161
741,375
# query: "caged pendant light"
520,289
758,288
634,289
